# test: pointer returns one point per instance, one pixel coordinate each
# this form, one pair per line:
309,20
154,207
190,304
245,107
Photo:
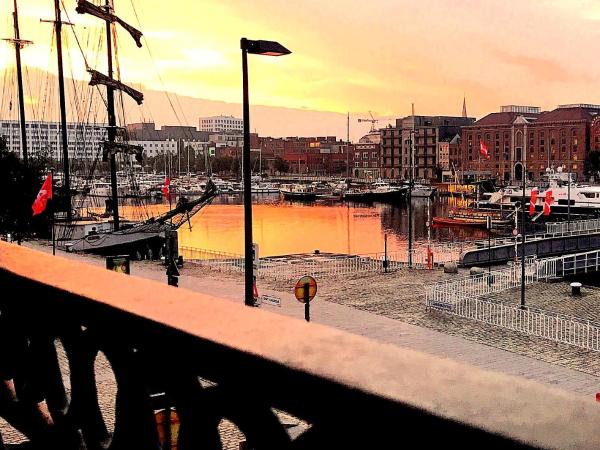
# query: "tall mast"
410,187
111,147
63,110
348,145
112,121
19,44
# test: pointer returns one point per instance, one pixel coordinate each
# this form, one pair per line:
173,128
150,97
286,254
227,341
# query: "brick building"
429,131
324,155
366,160
556,138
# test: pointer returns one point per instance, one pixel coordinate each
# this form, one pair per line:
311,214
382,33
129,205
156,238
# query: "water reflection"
283,227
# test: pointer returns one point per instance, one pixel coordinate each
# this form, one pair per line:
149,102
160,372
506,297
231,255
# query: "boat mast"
112,121
410,186
348,146
19,44
63,110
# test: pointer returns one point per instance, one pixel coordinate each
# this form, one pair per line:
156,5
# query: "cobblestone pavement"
556,297
401,296
390,308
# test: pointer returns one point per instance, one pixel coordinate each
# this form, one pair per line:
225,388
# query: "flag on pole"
483,150
166,189
45,194
534,196
547,202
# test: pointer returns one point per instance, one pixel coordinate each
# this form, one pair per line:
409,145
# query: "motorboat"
422,190
473,218
378,191
298,192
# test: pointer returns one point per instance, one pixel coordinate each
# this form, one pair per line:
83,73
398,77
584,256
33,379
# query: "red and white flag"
547,202
45,194
166,189
534,196
483,150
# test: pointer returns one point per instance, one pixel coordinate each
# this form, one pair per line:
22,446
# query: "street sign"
306,289
270,300
211,151
515,232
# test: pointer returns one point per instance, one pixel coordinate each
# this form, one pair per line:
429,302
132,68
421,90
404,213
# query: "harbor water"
282,227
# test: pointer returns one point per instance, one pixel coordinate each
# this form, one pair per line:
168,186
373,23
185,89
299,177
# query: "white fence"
295,266
464,298
558,328
445,294
573,226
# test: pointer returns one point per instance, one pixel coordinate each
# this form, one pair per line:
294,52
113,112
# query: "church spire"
464,111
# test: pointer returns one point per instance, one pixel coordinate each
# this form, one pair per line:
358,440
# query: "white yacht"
583,198
422,190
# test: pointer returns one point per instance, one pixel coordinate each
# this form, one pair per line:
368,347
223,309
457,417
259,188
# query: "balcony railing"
214,359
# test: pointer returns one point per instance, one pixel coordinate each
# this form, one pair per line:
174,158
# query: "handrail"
353,392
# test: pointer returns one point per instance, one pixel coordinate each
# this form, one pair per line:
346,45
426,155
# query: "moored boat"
297,192
472,218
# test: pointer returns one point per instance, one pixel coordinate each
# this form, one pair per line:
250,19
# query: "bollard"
576,289
450,267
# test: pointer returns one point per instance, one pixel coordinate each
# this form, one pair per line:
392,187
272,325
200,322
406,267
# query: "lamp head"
266,48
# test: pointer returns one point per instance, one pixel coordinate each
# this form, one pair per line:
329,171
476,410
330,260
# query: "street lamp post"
523,218
266,48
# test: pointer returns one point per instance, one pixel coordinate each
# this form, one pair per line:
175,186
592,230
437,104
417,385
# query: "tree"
21,184
281,165
221,164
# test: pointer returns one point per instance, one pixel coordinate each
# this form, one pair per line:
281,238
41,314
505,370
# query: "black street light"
266,48
523,219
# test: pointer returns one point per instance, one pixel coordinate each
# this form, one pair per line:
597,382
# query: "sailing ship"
89,232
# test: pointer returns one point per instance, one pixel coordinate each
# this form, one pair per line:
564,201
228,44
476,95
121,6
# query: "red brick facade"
549,139
366,159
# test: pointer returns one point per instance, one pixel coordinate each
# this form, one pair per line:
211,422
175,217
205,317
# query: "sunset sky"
348,55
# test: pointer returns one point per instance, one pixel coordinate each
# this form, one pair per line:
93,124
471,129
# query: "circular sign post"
305,290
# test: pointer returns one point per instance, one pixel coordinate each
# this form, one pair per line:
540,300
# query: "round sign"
515,231
306,289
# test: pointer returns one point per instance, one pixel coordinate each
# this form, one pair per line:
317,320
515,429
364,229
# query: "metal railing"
445,294
555,327
287,268
349,391
466,298
573,226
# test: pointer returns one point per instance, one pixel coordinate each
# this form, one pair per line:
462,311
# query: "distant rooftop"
520,109
579,105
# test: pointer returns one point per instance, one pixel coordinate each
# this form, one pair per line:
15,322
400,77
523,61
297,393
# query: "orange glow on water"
281,229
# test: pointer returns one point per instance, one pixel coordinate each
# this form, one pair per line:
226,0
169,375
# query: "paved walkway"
385,330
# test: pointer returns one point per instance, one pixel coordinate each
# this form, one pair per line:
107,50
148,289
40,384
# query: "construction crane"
373,121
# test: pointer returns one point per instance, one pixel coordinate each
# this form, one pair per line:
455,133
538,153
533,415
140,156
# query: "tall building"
215,124
167,139
426,132
541,140
84,140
